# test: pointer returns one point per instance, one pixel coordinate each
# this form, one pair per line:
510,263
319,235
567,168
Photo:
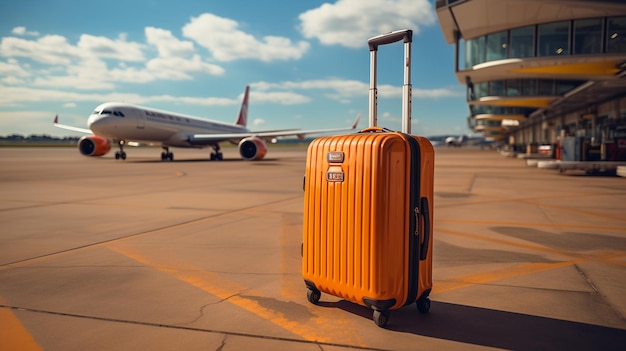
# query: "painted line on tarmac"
611,257
491,276
319,331
177,327
13,334
527,224
483,199
519,244
608,256
152,231
577,211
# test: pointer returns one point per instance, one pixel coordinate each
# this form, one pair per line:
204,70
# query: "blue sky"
307,62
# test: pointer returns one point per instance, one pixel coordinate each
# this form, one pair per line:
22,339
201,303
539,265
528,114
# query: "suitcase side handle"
375,130
426,214
405,35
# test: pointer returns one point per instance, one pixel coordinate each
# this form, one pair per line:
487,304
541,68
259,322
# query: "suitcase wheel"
381,318
423,304
313,296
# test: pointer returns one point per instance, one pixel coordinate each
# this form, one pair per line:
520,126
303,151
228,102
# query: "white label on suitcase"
335,157
335,174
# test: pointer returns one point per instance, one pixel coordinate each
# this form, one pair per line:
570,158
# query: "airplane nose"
99,124
91,120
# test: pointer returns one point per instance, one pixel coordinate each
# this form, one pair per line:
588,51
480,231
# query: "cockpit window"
108,112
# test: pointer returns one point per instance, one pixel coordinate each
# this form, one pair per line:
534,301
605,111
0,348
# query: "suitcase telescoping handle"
406,35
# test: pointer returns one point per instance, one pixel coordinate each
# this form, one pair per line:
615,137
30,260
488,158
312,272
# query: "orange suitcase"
368,199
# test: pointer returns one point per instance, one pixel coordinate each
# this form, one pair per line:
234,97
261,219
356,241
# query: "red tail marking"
243,113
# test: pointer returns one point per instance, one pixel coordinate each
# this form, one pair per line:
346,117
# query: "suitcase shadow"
493,328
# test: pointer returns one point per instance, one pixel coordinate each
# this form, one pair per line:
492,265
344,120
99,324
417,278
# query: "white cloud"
351,22
386,116
258,122
19,96
167,44
343,90
103,47
12,80
13,69
175,68
23,31
279,97
49,49
226,42
177,58
86,65
56,50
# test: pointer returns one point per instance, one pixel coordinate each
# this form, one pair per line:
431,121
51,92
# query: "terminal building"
543,74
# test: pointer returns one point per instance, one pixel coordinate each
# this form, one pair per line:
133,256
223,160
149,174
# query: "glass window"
496,88
522,42
481,90
471,122
475,52
546,87
616,34
496,46
564,86
513,87
588,36
462,46
530,87
553,39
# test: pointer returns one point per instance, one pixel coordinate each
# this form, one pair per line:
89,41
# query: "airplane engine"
93,145
252,149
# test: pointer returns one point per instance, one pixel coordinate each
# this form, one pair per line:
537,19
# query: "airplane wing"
269,134
75,129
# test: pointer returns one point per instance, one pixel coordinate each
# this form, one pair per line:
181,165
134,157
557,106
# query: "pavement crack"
221,347
586,278
470,184
203,307
226,333
606,300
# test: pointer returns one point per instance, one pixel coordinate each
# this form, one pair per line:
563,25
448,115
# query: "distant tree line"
34,138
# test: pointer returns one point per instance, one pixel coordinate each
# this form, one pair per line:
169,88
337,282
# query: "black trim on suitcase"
414,214
379,305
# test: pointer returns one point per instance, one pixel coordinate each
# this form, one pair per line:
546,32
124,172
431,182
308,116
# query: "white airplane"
455,141
127,124
463,140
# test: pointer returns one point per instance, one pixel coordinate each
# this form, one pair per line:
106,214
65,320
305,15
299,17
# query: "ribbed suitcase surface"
367,233
357,217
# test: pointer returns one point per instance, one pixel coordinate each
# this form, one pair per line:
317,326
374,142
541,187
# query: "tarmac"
141,254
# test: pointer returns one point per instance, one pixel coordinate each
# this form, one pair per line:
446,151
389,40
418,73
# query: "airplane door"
141,119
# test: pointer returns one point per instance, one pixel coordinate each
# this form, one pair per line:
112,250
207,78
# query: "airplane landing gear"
166,154
217,155
120,154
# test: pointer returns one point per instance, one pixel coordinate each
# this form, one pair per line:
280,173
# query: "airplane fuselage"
124,124
120,121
